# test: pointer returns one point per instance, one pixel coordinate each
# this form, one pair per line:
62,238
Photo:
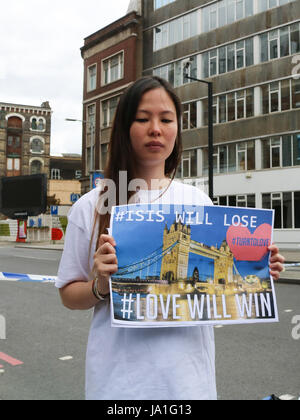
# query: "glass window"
273,38
287,205
231,57
265,99
205,71
275,152
297,209
34,124
286,151
285,95
296,93
92,77
241,157
266,154
284,42
222,109
113,68
250,155
213,56
36,167
231,106
250,102
295,38
296,149
223,159
232,157
249,52
274,97
37,146
222,60
264,48
240,54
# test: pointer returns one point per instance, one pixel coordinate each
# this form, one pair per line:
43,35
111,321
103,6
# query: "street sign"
74,197
54,210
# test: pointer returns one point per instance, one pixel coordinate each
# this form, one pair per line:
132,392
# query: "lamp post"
92,145
210,129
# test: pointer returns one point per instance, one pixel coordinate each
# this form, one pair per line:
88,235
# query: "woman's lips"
154,144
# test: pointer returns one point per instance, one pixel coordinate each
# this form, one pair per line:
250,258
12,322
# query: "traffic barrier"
27,278
292,265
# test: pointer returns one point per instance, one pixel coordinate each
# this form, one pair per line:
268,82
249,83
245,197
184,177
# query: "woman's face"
154,130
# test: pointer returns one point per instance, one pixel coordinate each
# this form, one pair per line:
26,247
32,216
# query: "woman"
133,364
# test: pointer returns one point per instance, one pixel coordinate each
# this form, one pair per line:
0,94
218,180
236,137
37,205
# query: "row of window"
287,208
56,174
272,97
37,145
285,204
214,16
275,152
272,45
112,70
13,166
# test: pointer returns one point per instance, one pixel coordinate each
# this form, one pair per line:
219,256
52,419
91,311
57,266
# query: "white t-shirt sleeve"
77,258
74,264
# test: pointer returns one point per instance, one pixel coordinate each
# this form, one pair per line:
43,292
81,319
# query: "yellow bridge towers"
174,267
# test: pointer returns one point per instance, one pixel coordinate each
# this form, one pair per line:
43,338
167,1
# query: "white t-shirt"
138,364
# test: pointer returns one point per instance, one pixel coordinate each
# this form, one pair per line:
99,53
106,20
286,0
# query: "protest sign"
186,266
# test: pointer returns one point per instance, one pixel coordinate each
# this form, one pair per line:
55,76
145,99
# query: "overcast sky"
40,57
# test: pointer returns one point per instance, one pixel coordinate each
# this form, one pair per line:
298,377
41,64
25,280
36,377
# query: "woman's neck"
154,177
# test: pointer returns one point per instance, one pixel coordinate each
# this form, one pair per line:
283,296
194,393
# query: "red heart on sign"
246,246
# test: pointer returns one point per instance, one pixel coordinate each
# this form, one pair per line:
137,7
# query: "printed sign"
184,266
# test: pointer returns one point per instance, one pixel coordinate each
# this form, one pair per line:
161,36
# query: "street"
43,355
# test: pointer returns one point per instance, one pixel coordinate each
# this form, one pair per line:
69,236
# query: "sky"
40,58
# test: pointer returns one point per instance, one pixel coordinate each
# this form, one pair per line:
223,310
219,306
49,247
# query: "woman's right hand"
105,262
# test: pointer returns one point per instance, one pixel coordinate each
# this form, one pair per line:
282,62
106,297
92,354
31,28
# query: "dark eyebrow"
148,112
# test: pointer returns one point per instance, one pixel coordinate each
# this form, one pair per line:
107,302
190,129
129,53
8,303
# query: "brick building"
112,60
25,133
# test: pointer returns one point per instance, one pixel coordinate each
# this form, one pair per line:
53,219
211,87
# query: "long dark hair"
120,152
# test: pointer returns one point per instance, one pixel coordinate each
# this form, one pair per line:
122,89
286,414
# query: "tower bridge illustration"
180,260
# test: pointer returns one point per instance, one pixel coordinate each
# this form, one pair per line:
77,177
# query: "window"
231,158
188,167
55,173
264,5
37,124
36,167
92,77
189,116
225,12
113,69
281,151
176,30
287,208
109,108
228,58
37,145
281,96
160,3
231,107
236,201
280,42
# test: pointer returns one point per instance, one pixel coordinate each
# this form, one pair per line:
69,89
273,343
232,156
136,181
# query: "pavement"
291,275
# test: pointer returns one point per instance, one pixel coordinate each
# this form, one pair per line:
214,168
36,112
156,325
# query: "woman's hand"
276,262
105,262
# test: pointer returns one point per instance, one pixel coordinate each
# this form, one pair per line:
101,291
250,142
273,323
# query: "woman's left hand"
276,262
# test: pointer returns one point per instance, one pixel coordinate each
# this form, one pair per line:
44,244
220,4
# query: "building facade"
112,60
25,133
64,179
250,50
